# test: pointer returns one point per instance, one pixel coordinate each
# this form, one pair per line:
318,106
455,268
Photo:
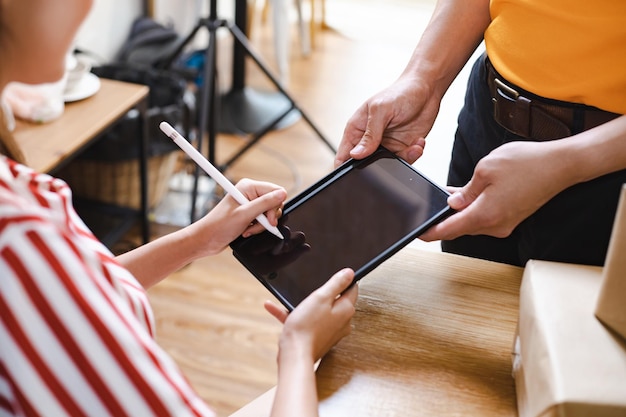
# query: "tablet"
357,216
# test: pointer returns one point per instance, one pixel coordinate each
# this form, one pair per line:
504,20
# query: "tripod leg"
211,101
207,110
240,37
255,139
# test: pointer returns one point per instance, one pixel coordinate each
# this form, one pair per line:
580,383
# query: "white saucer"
86,87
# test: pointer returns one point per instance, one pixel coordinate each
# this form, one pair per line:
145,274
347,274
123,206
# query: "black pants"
575,226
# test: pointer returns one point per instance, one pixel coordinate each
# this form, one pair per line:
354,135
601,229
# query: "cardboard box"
566,363
611,306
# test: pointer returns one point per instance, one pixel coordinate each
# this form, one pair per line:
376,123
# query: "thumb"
371,138
465,196
339,282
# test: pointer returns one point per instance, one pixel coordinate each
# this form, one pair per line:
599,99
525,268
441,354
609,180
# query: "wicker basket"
108,170
118,182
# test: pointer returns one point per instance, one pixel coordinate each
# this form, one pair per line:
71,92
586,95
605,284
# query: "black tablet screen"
356,217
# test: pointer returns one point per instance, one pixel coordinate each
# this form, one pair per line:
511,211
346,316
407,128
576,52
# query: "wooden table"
433,336
48,147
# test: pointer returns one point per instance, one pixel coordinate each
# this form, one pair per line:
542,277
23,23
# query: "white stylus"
215,174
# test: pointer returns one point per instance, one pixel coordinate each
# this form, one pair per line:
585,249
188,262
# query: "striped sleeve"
73,333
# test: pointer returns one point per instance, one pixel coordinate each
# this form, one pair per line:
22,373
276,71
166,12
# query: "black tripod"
208,104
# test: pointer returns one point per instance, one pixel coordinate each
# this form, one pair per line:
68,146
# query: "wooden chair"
280,13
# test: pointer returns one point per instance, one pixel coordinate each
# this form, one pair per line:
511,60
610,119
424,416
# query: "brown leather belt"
537,118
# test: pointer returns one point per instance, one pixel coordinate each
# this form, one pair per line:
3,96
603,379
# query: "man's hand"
398,118
508,185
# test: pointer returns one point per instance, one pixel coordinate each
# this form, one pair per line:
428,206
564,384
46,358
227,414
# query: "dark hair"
8,145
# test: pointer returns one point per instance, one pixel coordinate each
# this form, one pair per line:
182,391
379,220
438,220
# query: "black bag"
148,44
167,101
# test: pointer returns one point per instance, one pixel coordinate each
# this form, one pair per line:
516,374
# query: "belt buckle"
511,110
505,91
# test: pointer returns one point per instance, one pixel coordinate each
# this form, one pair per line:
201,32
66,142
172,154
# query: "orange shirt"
570,50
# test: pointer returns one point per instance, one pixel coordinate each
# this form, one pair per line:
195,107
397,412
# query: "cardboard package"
611,307
566,363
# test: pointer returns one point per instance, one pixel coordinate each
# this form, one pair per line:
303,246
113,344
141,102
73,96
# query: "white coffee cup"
76,69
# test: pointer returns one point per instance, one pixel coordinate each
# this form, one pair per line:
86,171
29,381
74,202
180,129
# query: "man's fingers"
372,136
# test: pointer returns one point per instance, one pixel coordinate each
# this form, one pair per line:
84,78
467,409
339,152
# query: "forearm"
156,260
455,30
593,153
296,393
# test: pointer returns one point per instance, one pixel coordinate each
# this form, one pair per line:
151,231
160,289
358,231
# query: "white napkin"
39,103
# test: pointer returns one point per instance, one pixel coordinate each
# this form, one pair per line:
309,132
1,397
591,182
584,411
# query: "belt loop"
578,122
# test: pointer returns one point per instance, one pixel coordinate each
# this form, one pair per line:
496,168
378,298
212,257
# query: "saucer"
86,87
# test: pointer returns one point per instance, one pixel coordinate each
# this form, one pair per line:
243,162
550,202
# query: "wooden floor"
210,315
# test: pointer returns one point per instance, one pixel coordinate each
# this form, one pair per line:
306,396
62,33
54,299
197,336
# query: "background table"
49,146
433,336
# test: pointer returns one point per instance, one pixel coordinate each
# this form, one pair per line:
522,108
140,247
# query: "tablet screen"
356,217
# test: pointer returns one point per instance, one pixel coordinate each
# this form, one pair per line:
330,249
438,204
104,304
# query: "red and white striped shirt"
76,328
